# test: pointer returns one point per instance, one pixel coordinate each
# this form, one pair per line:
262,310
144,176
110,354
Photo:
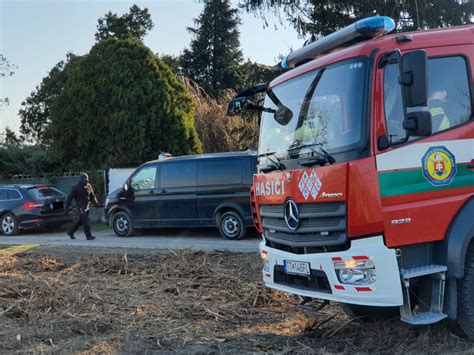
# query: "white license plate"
297,267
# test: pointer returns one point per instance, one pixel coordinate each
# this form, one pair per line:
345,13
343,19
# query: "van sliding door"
177,206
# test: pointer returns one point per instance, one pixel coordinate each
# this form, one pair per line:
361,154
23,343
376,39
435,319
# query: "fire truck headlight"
355,272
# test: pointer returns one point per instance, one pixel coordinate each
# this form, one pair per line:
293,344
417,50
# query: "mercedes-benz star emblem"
292,215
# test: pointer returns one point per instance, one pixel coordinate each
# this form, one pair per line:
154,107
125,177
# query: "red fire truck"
365,188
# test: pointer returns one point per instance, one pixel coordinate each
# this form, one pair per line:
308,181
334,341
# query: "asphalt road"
160,239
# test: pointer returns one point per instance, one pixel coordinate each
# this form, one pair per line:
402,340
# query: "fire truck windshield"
324,107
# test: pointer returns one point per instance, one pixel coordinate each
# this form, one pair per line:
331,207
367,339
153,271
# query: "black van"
209,190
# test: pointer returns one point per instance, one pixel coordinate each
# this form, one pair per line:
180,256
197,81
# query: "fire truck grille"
320,225
317,281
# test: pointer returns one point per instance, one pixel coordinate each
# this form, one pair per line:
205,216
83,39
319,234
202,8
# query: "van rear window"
220,172
42,192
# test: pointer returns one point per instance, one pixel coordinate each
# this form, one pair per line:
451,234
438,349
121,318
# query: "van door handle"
152,192
163,191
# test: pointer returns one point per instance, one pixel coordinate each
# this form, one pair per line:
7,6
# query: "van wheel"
9,225
369,314
466,296
231,226
122,224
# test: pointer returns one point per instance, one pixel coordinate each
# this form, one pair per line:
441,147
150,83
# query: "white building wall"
117,178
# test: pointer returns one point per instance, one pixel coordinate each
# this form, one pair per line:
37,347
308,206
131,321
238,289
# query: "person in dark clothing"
83,194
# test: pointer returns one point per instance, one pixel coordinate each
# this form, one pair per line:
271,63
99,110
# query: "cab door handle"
471,165
163,191
152,192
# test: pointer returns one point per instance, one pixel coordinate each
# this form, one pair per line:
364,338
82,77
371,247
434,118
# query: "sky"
37,34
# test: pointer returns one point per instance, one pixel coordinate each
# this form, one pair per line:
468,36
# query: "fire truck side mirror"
236,106
418,124
414,78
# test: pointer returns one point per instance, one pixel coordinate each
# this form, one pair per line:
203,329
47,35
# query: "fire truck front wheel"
369,314
466,295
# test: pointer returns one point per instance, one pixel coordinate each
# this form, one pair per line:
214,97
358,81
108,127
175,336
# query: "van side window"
449,99
3,195
144,179
13,195
220,172
181,174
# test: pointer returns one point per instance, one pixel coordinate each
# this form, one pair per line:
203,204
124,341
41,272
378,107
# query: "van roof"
438,37
246,153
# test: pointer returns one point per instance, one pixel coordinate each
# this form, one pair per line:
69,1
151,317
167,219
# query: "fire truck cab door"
425,181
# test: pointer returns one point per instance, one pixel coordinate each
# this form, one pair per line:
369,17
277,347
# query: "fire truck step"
434,304
425,318
424,270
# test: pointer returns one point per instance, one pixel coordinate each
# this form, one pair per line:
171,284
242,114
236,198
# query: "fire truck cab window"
327,108
449,99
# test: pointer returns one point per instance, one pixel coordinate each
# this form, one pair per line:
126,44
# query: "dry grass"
185,302
217,131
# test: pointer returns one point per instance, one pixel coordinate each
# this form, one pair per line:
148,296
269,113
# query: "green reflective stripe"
393,183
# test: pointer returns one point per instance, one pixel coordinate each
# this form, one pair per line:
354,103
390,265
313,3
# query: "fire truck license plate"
297,267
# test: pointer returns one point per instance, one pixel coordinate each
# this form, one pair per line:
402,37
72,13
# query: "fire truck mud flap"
316,275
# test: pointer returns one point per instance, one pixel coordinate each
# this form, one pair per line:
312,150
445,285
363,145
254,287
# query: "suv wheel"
9,225
466,296
231,226
122,224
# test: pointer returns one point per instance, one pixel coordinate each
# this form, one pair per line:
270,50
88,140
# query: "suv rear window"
40,192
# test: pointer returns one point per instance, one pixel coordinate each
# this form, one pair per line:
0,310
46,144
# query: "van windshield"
325,107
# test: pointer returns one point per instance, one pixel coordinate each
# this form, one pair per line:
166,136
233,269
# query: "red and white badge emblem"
310,185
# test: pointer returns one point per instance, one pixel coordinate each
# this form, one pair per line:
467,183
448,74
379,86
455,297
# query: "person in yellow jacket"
439,118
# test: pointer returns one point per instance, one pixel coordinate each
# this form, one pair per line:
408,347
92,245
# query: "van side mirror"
125,187
236,106
414,78
418,124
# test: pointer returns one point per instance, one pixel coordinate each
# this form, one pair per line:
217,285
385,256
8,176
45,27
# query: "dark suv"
209,190
30,206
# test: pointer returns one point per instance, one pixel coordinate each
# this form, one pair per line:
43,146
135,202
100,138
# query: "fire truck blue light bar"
366,28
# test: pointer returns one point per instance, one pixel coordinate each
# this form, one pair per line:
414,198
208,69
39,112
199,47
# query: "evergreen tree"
214,57
133,25
120,105
321,17
35,109
117,105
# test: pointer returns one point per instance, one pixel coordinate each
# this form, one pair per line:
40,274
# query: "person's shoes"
71,235
90,238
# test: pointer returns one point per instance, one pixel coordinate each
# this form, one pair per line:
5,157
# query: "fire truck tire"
369,314
466,296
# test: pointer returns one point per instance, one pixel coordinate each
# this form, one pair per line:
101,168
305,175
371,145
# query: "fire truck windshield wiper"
322,156
275,164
